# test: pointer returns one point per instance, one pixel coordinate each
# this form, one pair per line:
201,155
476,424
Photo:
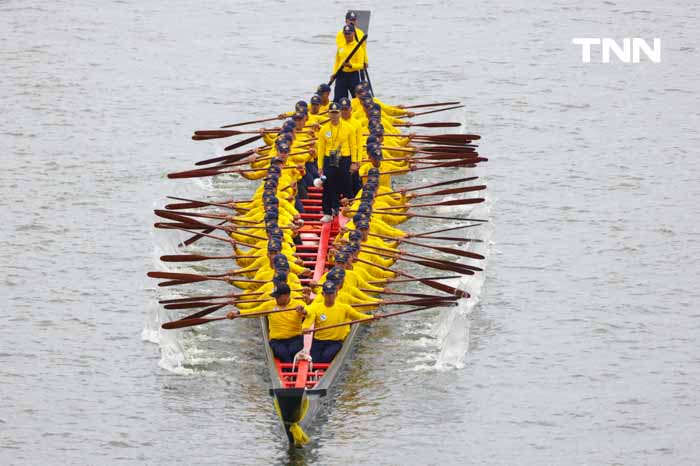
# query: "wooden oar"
412,295
202,172
244,142
435,264
407,280
198,236
437,104
204,312
438,110
198,258
442,217
227,158
426,186
447,192
382,316
207,297
407,302
252,122
206,134
169,226
429,282
456,252
438,138
453,239
390,253
199,321
437,124
446,250
460,227
347,59
226,204
199,278
451,202
440,286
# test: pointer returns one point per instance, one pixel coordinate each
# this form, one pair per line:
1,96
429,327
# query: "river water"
580,346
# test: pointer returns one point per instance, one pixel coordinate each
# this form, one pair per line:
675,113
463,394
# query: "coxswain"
335,146
347,75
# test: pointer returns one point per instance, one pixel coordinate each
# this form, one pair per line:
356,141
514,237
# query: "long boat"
299,388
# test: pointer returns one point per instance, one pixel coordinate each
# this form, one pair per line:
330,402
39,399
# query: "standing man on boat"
335,148
351,20
347,75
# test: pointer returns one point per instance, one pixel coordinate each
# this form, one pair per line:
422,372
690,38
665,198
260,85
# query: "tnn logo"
629,52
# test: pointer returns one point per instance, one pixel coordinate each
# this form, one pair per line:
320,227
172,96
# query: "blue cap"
376,154
329,287
298,116
288,125
355,235
344,103
336,274
274,246
376,130
280,262
280,289
315,99
300,104
373,171
280,276
341,258
372,139
323,88
348,29
351,15
333,107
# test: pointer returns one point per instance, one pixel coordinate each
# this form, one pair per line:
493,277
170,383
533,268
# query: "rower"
327,343
284,327
335,146
349,76
324,92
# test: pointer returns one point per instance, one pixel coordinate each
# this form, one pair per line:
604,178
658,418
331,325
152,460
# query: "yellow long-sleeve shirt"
357,127
356,63
340,137
281,325
322,315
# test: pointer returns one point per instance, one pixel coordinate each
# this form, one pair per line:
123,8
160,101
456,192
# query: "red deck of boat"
313,252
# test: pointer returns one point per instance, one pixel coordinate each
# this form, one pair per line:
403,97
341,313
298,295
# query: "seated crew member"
324,92
347,75
284,327
327,343
335,146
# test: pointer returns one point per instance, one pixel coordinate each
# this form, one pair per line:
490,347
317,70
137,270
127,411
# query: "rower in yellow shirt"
327,343
324,92
284,327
